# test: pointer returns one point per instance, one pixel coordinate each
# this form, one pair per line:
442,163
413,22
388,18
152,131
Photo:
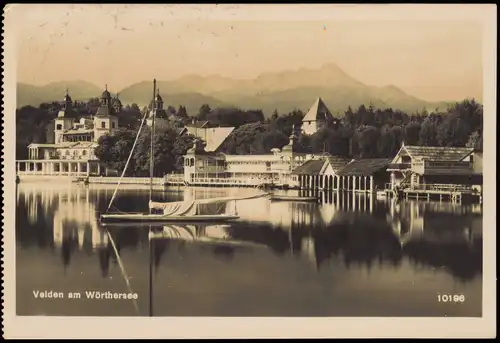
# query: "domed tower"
157,110
117,104
105,120
106,98
67,102
158,101
64,120
288,149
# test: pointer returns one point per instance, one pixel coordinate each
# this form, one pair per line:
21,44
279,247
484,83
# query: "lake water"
345,256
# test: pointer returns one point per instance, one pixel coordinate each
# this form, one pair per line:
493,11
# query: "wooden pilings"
351,183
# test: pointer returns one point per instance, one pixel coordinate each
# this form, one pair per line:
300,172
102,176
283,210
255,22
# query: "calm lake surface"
345,256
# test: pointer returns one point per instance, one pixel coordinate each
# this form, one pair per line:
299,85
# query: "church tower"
117,104
105,120
64,120
157,111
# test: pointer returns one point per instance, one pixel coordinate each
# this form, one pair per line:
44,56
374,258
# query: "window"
84,152
59,127
113,125
103,125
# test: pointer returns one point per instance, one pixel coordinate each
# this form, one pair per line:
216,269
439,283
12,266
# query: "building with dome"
75,140
157,111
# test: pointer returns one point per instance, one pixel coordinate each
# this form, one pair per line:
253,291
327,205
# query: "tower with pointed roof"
65,118
105,120
318,116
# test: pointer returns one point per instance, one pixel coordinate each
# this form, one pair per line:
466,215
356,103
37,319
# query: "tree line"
364,132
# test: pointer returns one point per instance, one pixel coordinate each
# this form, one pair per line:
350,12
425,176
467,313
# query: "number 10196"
451,298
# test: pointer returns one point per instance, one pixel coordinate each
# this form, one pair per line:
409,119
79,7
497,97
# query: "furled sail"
186,208
178,208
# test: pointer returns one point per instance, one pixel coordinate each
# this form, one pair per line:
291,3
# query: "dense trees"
363,132
169,148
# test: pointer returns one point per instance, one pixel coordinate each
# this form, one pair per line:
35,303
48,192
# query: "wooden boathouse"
444,173
364,175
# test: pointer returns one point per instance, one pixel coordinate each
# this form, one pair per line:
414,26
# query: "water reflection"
354,231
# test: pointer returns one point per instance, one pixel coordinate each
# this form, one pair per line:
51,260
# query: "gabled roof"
311,167
364,167
337,162
318,109
216,136
213,137
437,153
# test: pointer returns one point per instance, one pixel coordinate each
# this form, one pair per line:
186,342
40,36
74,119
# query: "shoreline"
163,183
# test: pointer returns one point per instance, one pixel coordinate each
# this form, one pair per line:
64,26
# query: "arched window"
84,152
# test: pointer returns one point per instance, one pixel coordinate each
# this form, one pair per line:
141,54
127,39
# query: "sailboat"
180,211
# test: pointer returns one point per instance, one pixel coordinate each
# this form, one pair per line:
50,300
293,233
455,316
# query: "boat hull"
292,198
148,218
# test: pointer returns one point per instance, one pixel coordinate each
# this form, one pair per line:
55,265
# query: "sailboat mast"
151,160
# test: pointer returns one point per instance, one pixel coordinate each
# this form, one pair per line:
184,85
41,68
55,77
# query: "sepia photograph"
319,165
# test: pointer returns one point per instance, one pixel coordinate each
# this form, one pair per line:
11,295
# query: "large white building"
207,166
75,140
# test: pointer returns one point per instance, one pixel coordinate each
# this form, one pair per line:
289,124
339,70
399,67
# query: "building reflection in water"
72,217
342,228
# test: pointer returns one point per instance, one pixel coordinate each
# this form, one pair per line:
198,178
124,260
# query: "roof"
364,167
311,167
103,111
337,162
44,145
318,109
437,153
83,145
64,145
106,94
158,97
213,137
180,130
79,132
197,124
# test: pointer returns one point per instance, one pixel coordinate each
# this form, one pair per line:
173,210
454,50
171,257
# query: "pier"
441,192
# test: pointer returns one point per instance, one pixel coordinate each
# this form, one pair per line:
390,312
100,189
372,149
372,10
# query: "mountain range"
284,91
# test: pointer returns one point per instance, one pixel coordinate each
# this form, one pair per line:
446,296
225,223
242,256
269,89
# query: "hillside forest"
363,132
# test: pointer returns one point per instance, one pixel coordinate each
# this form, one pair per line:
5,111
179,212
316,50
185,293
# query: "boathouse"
415,166
320,173
364,175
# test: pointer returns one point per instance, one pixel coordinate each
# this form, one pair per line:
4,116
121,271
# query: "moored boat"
179,211
292,198
139,218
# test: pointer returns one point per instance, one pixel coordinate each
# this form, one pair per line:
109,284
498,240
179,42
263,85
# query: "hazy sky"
434,59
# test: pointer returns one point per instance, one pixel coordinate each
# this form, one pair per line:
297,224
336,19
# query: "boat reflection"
340,228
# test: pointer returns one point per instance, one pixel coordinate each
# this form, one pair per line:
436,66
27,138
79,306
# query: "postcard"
248,171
